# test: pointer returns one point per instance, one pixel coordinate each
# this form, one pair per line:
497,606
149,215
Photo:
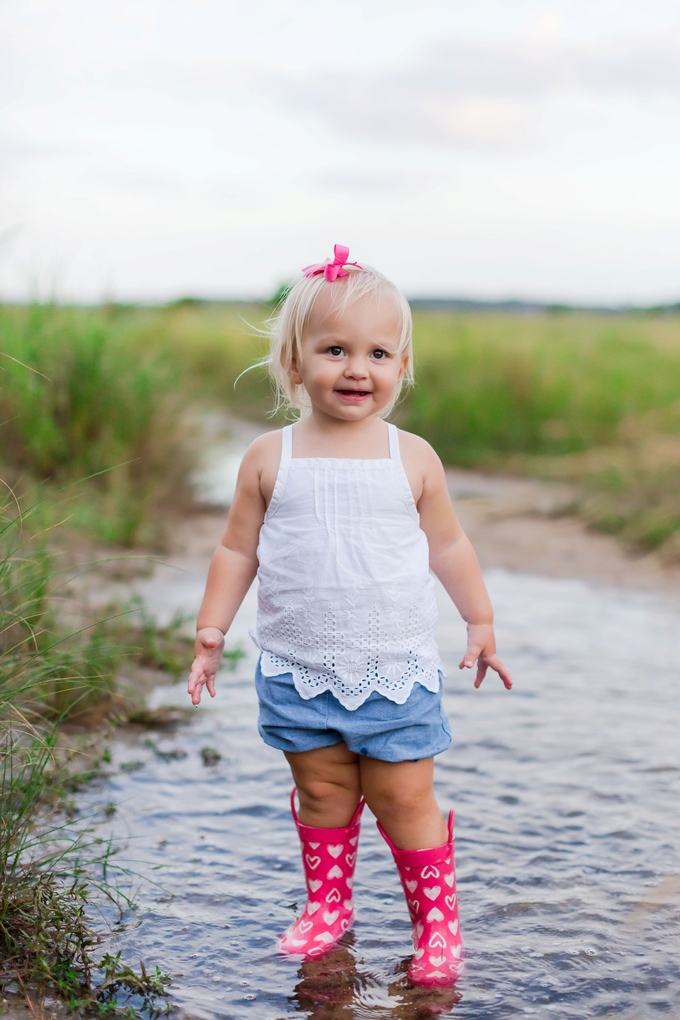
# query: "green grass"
591,398
81,398
492,386
212,346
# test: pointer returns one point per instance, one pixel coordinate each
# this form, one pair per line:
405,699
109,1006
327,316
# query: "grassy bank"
48,863
591,398
595,399
94,448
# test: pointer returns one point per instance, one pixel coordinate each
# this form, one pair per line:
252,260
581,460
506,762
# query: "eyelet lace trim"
352,649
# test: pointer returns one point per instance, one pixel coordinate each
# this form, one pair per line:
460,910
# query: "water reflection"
334,988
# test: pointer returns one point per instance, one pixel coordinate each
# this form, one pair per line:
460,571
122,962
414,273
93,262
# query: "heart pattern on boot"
329,873
437,960
433,905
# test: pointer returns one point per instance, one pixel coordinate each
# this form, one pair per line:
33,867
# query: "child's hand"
208,650
481,648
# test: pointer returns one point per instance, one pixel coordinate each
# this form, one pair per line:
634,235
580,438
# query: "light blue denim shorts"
378,729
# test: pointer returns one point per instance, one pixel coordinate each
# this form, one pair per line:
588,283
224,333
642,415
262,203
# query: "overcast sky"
500,148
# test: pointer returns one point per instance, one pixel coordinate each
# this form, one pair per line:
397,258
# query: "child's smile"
353,396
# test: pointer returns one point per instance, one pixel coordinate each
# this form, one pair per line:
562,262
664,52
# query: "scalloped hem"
396,691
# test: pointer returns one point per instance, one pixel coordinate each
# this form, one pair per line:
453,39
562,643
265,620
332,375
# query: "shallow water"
567,830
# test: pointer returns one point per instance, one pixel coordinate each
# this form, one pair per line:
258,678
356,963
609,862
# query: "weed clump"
80,399
46,864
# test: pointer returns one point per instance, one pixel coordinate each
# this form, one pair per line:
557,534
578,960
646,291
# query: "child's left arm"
454,562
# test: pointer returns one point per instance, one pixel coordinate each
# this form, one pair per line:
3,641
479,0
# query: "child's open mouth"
353,396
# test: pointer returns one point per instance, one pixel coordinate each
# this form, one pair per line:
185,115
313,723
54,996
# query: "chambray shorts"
378,729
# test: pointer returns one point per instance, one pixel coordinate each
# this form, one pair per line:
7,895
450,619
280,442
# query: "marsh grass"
492,386
81,398
592,398
212,346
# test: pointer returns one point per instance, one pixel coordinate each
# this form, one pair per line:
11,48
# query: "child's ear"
404,366
294,371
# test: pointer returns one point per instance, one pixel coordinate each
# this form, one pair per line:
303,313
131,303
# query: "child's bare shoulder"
423,467
267,442
417,449
264,450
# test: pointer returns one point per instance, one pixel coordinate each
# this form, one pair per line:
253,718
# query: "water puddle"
568,832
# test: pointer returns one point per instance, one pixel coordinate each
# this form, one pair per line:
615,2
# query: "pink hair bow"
332,270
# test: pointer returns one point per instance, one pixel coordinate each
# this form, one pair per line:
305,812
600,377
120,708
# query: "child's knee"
396,795
326,804
400,801
319,794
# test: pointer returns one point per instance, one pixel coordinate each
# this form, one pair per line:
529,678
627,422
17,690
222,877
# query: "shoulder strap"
393,433
284,464
399,470
286,445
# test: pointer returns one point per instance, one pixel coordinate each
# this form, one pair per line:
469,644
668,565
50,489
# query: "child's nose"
356,367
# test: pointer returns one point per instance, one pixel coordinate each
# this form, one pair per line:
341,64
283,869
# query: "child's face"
349,363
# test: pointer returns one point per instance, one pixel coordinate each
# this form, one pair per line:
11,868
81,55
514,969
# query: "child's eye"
335,351
379,355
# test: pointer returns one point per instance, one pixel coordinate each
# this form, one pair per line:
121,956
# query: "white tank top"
346,601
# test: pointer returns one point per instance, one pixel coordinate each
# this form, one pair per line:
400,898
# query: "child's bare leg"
328,784
401,796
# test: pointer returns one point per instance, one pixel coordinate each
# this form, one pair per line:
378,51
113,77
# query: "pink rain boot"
328,858
429,881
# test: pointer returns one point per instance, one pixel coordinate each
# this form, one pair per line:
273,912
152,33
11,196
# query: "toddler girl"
342,517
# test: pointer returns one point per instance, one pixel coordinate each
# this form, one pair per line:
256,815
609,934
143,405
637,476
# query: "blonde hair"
286,328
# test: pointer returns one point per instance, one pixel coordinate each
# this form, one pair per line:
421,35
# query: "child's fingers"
197,679
472,653
492,661
194,677
210,684
482,667
196,690
504,673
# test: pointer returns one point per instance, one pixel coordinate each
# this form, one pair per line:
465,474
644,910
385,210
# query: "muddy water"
568,829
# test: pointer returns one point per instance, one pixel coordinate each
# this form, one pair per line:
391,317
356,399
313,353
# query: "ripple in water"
566,798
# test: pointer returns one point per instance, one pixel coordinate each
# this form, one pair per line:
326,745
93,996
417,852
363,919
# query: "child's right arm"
232,570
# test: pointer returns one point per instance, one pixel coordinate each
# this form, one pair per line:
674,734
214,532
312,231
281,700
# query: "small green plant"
118,980
133,632
47,942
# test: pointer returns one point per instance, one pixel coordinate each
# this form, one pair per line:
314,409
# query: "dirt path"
523,525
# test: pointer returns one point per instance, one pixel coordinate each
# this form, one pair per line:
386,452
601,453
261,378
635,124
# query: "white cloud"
483,93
